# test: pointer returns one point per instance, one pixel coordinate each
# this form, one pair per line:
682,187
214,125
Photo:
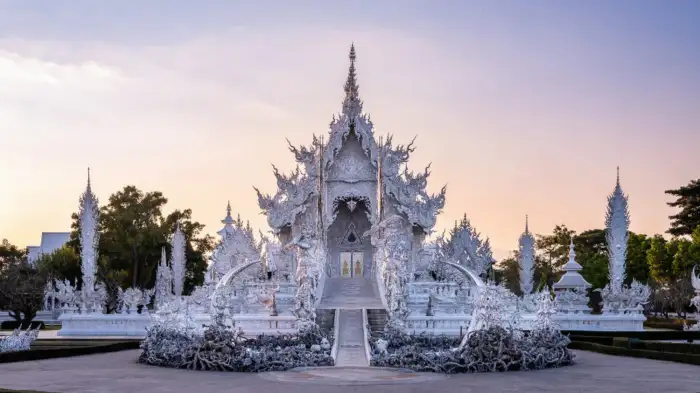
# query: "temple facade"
346,182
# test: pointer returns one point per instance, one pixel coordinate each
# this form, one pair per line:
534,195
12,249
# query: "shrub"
12,325
686,358
52,353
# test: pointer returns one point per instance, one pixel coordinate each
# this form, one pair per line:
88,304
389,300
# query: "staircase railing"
367,334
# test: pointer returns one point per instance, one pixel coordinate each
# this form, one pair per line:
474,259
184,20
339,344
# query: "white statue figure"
695,301
310,265
178,261
393,241
131,299
65,293
49,296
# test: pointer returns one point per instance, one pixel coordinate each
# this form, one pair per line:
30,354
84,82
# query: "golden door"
345,264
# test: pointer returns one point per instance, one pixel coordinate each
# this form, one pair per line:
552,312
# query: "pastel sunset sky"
523,107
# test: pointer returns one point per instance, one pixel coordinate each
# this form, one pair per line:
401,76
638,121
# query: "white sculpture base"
134,325
94,325
456,324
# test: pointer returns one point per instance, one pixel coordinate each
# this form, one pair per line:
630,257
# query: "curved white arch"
466,272
231,274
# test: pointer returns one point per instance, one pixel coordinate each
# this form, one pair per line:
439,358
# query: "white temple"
349,229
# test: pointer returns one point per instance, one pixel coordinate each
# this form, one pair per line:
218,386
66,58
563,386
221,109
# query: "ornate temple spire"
572,279
617,221
89,235
352,105
526,260
178,261
228,222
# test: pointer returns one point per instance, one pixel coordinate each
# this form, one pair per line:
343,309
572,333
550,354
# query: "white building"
50,242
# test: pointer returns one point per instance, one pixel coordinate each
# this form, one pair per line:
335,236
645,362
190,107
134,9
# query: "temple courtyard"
119,372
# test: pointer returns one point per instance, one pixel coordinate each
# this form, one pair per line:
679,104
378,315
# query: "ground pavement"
118,372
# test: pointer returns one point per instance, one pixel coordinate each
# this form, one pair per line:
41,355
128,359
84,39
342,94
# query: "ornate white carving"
629,299
465,247
403,190
393,242
351,204
164,281
617,221
18,340
695,301
237,246
178,261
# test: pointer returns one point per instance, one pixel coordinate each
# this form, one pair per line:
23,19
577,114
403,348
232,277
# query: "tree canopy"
688,200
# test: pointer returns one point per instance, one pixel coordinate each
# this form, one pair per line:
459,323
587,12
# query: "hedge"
648,335
12,325
636,353
58,352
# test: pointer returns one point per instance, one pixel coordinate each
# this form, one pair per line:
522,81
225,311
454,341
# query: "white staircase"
351,339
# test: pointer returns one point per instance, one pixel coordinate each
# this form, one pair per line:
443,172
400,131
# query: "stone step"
351,340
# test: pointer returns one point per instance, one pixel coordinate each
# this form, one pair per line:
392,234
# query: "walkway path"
118,372
351,340
350,293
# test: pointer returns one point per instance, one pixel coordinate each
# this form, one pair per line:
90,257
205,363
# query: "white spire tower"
178,261
617,222
164,280
352,105
89,236
526,259
228,222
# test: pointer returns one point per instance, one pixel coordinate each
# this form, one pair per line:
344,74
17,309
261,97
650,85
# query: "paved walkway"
351,340
118,372
350,293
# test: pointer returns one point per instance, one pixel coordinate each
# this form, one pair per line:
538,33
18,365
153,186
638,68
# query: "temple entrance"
350,253
352,264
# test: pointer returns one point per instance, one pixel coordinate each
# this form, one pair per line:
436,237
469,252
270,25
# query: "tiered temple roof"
405,190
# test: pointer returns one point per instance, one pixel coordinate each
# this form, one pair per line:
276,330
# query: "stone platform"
350,294
118,372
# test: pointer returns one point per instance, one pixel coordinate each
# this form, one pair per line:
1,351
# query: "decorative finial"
527,226
228,219
618,175
572,253
352,106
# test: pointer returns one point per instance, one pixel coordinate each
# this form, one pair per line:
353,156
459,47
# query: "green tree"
659,260
10,254
508,272
552,254
592,255
637,265
688,200
22,291
61,264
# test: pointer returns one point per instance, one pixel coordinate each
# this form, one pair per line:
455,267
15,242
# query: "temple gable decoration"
351,162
